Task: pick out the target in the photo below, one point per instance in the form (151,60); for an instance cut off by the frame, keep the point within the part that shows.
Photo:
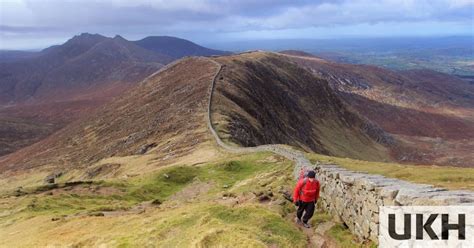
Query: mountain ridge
(264,99)
(429,113)
(176,47)
(123,126)
(46,90)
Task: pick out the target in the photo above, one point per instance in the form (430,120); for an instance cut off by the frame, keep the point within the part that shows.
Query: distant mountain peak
(86,60)
(118,37)
(87,36)
(176,47)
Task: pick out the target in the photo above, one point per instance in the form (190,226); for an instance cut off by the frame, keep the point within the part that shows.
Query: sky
(32,24)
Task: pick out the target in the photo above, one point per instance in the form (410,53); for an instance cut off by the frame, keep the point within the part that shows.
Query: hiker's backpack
(302,186)
(304,175)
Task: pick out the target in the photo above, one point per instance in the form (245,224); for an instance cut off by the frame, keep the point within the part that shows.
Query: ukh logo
(426,226)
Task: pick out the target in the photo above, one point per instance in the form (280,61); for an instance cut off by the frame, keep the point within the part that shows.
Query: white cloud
(192,17)
(461,3)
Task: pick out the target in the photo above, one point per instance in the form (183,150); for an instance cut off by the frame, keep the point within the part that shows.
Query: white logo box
(421,214)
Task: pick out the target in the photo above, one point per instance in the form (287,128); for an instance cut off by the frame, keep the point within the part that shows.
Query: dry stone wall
(355,197)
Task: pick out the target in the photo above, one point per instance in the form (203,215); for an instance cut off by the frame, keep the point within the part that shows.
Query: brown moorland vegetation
(262,98)
(429,113)
(165,114)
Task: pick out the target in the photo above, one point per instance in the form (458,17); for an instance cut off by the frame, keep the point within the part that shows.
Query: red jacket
(309,192)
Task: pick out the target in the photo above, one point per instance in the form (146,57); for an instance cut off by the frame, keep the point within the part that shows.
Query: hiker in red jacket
(305,197)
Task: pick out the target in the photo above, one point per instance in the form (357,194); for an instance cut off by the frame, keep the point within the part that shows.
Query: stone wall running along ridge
(355,197)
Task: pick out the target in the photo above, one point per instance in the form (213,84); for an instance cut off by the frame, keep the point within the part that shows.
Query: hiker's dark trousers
(307,208)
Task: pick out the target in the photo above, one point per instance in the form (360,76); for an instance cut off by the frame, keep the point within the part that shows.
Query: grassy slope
(225,214)
(201,221)
(442,176)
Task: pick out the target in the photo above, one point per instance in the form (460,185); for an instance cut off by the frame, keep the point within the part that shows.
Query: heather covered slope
(165,115)
(429,113)
(83,64)
(62,83)
(261,98)
(15,133)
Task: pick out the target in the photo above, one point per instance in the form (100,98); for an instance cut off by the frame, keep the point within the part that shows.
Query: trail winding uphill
(298,157)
